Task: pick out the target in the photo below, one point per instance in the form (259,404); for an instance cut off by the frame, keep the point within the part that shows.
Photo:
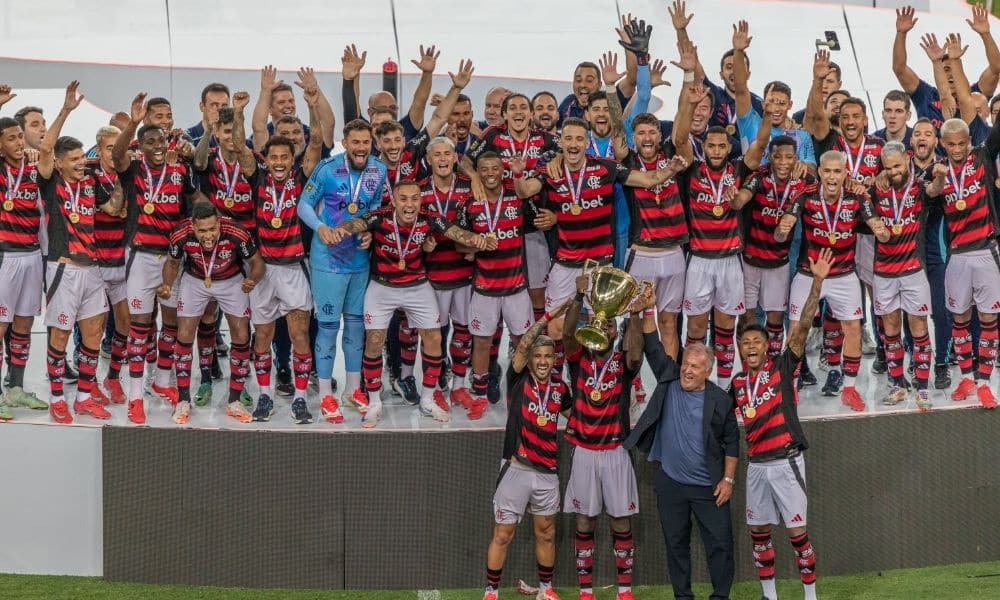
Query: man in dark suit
(689,429)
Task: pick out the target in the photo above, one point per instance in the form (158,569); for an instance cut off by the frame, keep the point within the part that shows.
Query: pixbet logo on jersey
(584,204)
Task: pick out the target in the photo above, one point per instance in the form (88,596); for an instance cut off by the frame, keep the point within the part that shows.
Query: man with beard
(723,98)
(342,187)
(215,253)
(586,82)
(895,115)
(277,101)
(545,113)
(831,216)
(764,395)
(528,478)
(602,478)
(459,125)
(961,184)
(158,195)
(900,282)
(863,160)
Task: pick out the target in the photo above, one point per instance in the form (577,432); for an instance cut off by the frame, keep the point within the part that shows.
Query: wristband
(546,316)
(641,58)
(649,312)
(729,480)
(688,76)
(518,175)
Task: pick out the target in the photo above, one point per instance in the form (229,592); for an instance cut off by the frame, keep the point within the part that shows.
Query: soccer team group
(438,233)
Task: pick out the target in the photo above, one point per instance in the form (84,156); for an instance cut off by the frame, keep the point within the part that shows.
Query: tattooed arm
(521,353)
(820,269)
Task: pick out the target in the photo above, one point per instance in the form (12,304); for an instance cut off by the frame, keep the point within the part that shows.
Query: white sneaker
(431,409)
(372,415)
(182,412)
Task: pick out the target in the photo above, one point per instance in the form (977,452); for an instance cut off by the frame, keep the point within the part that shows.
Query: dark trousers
(676,503)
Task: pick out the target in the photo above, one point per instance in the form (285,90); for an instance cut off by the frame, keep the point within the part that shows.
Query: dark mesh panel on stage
(413,510)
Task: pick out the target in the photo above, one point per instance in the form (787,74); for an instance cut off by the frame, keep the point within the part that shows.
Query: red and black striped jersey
(224,261)
(767,405)
(70,236)
(21,208)
(714,224)
(499,272)
(969,215)
(588,232)
(904,213)
(397,254)
(109,230)
(532,417)
(828,225)
(658,219)
(863,160)
(768,202)
(600,424)
(278,229)
(411,165)
(157,201)
(446,267)
(229,189)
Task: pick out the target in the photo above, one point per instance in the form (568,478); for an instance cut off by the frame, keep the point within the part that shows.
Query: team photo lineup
(541,254)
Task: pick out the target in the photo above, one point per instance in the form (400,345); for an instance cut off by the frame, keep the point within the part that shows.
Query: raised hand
(980,22)
(307,78)
(138,110)
(741,35)
(930,45)
(697,93)
(905,19)
(678,17)
(240,100)
(656,72)
(820,267)
(953,46)
(428,59)
(821,64)
(72,100)
(608,62)
(6,95)
(688,60)
(638,35)
(269,78)
(464,75)
(352,63)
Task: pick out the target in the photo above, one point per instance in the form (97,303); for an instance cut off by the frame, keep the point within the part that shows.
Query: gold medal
(749,411)
(897,229)
(208,282)
(832,238)
(74,217)
(401,264)
(276,222)
(717,210)
(576,209)
(8,205)
(731,129)
(229,202)
(148,209)
(352,207)
(542,420)
(595,395)
(960,205)
(996,182)
(491,236)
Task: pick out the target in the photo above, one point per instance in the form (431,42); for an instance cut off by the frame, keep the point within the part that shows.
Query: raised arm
(820,269)
(634,36)
(940,173)
(46,153)
(659,361)
(937,55)
(980,23)
(815,120)
(905,20)
(439,118)
(314,150)
(679,18)
(351,65)
(199,160)
(741,76)
(633,341)
(755,151)
(426,64)
(570,345)
(608,65)
(692,92)
(248,163)
(960,83)
(119,154)
(326,121)
(522,352)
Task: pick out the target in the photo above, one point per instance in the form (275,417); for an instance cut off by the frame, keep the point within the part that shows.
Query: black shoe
(493,385)
(216,368)
(284,386)
(879,366)
(952,357)
(408,386)
(444,379)
(834,381)
(300,413)
(265,408)
(942,377)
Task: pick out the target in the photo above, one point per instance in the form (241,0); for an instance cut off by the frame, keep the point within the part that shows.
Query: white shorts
(417,301)
(114,280)
(777,486)
(665,269)
(21,275)
(561,285)
(453,304)
(536,258)
(193,296)
(973,277)
(485,313)
(864,258)
(602,480)
(911,292)
(842,295)
(283,289)
(74,294)
(144,273)
(521,487)
(714,283)
(766,287)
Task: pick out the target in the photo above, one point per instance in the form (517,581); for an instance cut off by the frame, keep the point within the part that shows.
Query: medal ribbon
(956,182)
(524,153)
(11,192)
(784,195)
(493,219)
(278,201)
(74,199)
(752,393)
(548,390)
(355,187)
(447,201)
(402,250)
(898,205)
(855,166)
(227,181)
(211,263)
(578,190)
(608,152)
(153,193)
(831,224)
(599,377)
(717,192)
(696,148)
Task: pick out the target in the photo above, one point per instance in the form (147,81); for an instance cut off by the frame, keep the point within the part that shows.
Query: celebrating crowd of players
(439,235)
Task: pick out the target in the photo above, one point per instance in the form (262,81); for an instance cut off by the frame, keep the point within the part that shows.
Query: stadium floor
(954,582)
